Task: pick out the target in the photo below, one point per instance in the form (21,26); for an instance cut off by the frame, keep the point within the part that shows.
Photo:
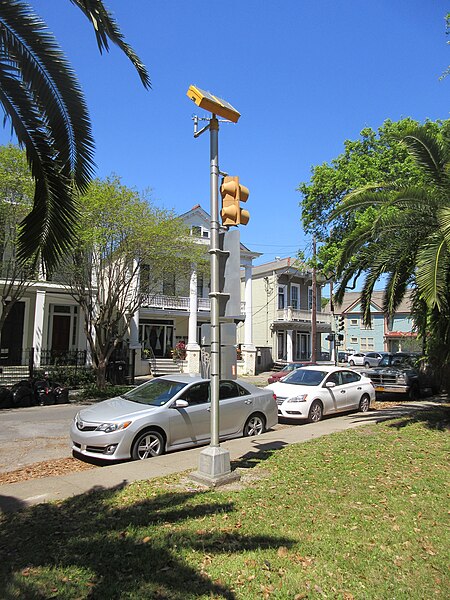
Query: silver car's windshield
(304,377)
(156,392)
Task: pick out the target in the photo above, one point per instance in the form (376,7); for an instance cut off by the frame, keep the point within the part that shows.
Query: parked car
(371,359)
(317,390)
(365,359)
(399,373)
(343,356)
(169,413)
(356,359)
(287,368)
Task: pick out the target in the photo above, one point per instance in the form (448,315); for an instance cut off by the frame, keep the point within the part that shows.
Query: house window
(198,231)
(295,296)
(281,296)
(169,284)
(199,286)
(367,343)
(310,298)
(354,322)
(354,340)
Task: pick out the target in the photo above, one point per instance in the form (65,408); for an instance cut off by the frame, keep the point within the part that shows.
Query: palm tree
(43,100)
(404,235)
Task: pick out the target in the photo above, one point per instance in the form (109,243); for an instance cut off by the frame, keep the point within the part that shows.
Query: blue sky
(304,74)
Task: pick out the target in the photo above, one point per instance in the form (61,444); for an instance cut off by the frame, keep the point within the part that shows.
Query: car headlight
(301,398)
(110,427)
(401,378)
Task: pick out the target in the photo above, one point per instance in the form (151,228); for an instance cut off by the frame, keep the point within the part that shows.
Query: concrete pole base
(214,468)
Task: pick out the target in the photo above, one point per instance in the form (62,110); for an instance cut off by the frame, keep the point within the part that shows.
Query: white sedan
(317,390)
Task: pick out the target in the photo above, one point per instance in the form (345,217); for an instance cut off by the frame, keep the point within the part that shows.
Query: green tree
(403,233)
(127,246)
(43,100)
(16,193)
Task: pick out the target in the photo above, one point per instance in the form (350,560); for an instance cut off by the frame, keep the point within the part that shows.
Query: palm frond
(433,261)
(106,27)
(428,152)
(48,229)
(360,200)
(443,218)
(37,61)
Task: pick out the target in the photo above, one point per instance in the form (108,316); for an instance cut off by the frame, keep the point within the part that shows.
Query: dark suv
(399,373)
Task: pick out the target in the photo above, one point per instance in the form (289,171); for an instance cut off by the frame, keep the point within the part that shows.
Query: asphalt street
(35,434)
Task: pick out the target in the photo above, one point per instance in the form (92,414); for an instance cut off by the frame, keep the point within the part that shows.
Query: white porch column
(248,348)
(248,324)
(38,332)
(289,345)
(192,347)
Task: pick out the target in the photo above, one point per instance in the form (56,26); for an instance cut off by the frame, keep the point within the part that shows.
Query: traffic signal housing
(233,193)
(341,324)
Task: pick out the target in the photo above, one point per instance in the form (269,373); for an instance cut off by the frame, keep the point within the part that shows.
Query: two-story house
(182,305)
(282,312)
(383,334)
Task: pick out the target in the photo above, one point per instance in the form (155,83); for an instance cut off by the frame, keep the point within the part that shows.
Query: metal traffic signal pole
(214,295)
(214,462)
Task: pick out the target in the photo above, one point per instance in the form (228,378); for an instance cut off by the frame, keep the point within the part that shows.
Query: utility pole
(314,306)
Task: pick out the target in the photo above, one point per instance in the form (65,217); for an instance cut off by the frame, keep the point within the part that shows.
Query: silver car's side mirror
(330,384)
(180,403)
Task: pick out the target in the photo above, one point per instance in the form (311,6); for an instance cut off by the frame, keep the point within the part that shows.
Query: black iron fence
(28,363)
(68,367)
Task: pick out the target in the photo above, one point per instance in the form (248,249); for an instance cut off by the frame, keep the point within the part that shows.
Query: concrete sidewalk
(16,496)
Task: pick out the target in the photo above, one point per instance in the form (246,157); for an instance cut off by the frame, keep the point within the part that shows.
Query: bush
(90,392)
(67,376)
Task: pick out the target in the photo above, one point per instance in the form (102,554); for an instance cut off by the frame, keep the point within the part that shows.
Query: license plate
(379,388)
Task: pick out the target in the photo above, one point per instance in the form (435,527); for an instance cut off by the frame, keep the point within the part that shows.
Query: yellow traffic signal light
(232,195)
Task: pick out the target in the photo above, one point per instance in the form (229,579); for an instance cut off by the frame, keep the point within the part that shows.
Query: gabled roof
(352,299)
(283,265)
(196,212)
(197,215)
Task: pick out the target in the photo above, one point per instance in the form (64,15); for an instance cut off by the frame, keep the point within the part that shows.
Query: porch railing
(291,314)
(163,302)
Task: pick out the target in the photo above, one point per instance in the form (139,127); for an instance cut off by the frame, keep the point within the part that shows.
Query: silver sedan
(168,413)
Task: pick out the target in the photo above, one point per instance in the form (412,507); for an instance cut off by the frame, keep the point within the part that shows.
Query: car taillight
(274,396)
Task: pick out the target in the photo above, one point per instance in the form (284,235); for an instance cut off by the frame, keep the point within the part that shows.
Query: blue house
(391,335)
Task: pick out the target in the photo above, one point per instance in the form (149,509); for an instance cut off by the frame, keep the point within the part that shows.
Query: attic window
(196,231)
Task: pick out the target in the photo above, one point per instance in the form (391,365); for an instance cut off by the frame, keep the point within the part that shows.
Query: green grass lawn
(356,515)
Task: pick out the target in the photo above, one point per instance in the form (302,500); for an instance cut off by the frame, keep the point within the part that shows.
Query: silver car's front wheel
(255,425)
(148,444)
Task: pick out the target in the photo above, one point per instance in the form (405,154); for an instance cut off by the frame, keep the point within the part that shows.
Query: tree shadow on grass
(97,546)
(433,417)
(263,451)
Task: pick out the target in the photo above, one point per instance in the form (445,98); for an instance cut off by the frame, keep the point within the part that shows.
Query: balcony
(296,318)
(161,302)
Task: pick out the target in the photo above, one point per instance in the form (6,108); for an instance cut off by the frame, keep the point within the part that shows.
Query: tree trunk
(101,373)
